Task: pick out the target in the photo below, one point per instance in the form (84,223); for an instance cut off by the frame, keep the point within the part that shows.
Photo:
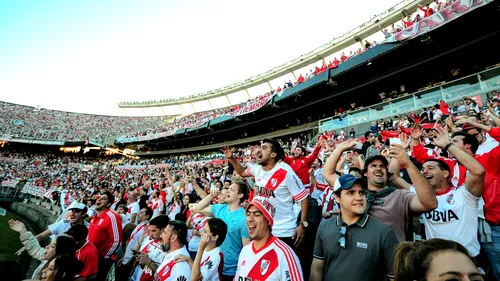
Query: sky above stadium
(86,56)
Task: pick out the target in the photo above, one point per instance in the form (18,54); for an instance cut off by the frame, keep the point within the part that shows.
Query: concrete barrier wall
(40,217)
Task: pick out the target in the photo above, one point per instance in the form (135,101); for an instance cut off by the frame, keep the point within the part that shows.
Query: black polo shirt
(368,252)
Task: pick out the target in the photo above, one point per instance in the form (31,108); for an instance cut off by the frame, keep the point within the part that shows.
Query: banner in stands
(9,183)
(12,160)
(253,106)
(453,11)
(193,163)
(34,190)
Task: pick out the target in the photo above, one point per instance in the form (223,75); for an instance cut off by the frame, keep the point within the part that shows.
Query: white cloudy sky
(86,56)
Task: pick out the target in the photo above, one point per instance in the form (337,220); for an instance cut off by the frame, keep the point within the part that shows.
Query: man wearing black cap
(385,203)
(353,240)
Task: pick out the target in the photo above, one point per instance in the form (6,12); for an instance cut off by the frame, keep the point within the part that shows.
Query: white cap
(79,206)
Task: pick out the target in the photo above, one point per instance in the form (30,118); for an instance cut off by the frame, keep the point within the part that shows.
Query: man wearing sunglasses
(353,245)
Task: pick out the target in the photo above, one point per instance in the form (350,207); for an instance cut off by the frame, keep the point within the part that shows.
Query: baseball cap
(265,206)
(377,157)
(79,206)
(347,181)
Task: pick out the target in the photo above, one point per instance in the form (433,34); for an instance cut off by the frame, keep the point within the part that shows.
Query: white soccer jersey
(133,209)
(134,239)
(62,226)
(212,263)
(275,261)
(171,271)
(455,218)
(173,210)
(327,201)
(157,207)
(155,253)
(283,187)
(321,184)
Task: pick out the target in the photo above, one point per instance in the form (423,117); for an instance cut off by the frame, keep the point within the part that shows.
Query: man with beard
(150,250)
(105,232)
(266,257)
(174,243)
(353,245)
(318,183)
(387,204)
(276,180)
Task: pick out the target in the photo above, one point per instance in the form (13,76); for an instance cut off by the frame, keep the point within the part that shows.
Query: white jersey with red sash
(275,261)
(134,238)
(282,186)
(169,270)
(154,251)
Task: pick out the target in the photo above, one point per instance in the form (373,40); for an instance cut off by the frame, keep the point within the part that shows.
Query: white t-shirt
(455,218)
(133,209)
(171,271)
(275,261)
(282,186)
(61,227)
(155,253)
(211,265)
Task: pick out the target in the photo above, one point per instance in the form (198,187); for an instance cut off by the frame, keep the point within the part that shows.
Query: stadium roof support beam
(360,41)
(270,86)
(228,100)
(248,94)
(294,76)
(210,103)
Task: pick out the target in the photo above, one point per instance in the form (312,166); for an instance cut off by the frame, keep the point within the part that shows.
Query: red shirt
(302,164)
(105,232)
(444,108)
(89,256)
(301,79)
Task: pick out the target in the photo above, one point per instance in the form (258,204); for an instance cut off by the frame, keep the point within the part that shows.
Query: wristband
(446,147)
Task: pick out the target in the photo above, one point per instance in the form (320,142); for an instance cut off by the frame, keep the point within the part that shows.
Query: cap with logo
(265,206)
(347,181)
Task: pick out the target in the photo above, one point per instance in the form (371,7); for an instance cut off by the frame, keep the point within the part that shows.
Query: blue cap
(347,181)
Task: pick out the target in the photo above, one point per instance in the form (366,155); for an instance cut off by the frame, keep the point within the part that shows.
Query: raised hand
(17,226)
(441,137)
(416,132)
(228,152)
(398,152)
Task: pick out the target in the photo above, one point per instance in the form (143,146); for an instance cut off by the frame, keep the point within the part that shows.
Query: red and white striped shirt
(275,261)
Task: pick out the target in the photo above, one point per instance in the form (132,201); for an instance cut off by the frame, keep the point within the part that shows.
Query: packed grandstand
(406,127)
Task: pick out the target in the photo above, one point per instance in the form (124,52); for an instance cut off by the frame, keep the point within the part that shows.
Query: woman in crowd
(61,245)
(434,260)
(62,268)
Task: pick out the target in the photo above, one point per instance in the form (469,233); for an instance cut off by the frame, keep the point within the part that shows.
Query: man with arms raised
(277,181)
(266,257)
(389,205)
(352,245)
(456,216)
(105,232)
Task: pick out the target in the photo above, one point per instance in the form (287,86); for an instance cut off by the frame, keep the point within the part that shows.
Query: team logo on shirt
(100,221)
(264,266)
(450,199)
(274,182)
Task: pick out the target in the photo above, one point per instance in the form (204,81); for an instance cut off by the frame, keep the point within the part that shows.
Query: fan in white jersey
(456,216)
(209,260)
(133,206)
(156,203)
(150,250)
(276,180)
(174,244)
(266,257)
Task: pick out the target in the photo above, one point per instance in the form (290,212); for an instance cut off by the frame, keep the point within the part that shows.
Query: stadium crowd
(282,210)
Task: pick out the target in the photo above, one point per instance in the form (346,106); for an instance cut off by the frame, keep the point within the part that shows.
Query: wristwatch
(304,223)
